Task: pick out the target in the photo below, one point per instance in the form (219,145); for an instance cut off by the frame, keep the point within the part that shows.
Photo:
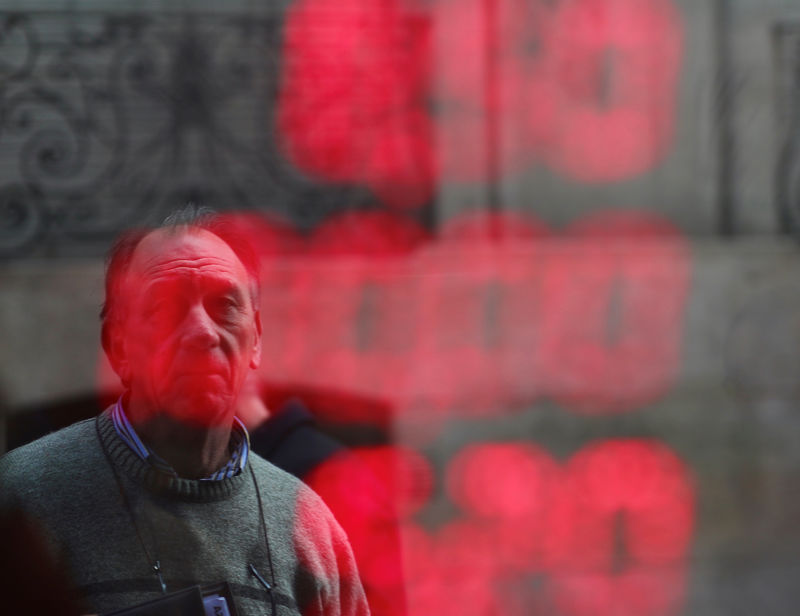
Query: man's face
(189,332)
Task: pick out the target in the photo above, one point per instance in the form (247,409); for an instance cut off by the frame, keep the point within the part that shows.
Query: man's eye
(161,311)
(155,308)
(223,306)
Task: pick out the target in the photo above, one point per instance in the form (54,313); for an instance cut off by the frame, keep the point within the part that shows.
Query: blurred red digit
(610,73)
(614,293)
(478,312)
(360,301)
(506,488)
(619,531)
(344,108)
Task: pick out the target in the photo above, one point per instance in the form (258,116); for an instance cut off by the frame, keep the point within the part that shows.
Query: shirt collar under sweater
(239,446)
(132,467)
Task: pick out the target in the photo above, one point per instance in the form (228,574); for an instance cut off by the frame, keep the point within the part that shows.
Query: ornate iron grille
(109,121)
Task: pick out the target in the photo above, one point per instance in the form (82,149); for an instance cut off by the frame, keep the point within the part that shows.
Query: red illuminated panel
(518,80)
(359,302)
(609,533)
(615,297)
(363,488)
(338,75)
(501,480)
(405,471)
(268,237)
(392,95)
(311,526)
(619,531)
(344,111)
(492,315)
(508,488)
(512,303)
(283,329)
(488,93)
(367,489)
(478,310)
(458,93)
(612,67)
(452,571)
(368,234)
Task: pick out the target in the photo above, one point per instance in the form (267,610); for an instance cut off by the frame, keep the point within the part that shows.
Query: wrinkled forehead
(185,253)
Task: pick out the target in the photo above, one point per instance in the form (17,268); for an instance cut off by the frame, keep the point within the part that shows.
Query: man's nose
(199,329)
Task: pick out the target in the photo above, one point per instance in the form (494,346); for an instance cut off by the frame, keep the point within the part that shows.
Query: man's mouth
(199,374)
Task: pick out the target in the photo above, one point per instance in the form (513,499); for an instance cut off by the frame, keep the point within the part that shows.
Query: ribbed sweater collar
(127,463)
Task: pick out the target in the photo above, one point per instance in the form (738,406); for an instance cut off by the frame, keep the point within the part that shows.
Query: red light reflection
(608,533)
(339,575)
(364,490)
(345,86)
(399,96)
(509,486)
(614,303)
(620,530)
(486,319)
(358,300)
(479,309)
(612,68)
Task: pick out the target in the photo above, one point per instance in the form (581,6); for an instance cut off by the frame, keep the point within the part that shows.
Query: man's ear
(114,347)
(255,358)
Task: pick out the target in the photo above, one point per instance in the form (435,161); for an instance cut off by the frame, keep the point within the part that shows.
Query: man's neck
(193,451)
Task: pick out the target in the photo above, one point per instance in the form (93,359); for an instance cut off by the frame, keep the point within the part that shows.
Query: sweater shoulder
(47,459)
(63,440)
(291,491)
(276,481)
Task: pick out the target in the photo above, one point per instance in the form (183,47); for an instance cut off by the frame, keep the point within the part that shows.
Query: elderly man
(160,492)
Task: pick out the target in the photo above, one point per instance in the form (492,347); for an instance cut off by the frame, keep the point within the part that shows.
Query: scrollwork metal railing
(109,120)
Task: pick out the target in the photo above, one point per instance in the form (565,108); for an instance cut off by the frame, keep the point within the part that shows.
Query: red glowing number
(472,293)
(494,314)
(611,70)
(620,531)
(360,301)
(609,532)
(614,317)
(366,489)
(481,51)
(395,96)
(520,80)
(344,87)
(509,486)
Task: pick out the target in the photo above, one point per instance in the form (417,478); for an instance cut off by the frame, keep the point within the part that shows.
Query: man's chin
(201,409)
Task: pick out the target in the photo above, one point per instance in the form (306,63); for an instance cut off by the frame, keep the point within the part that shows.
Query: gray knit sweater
(75,483)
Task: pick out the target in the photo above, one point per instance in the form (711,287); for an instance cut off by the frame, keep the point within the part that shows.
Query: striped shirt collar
(239,446)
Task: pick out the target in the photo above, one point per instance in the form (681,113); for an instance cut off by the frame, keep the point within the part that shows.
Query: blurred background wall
(539,254)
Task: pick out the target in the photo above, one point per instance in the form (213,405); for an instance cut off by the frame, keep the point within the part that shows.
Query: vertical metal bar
(786,53)
(726,143)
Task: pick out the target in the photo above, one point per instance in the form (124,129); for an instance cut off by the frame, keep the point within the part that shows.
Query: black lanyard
(156,564)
